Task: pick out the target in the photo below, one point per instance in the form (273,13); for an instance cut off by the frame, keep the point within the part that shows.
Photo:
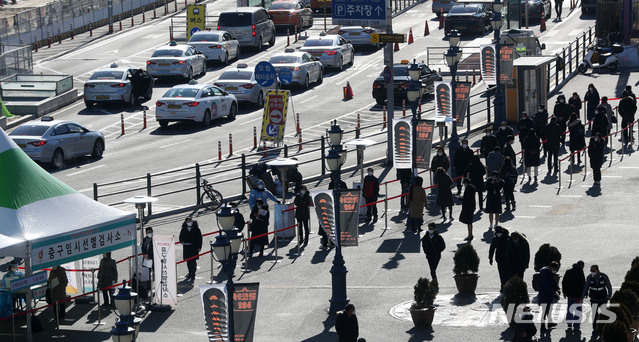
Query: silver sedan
(332,50)
(241,82)
(359,36)
(304,67)
(176,60)
(218,46)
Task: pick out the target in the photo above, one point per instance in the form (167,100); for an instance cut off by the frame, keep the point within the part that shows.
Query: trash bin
(284,219)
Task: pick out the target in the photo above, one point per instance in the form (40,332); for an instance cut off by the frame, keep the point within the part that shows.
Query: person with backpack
(371,191)
(468,207)
(510,175)
(433,245)
(444,194)
(577,136)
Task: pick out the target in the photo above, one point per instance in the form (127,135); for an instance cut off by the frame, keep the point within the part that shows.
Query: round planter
(423,318)
(467,283)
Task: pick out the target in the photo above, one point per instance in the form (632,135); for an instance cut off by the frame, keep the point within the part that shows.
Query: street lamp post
(127,326)
(413,92)
(452,57)
(335,159)
(499,102)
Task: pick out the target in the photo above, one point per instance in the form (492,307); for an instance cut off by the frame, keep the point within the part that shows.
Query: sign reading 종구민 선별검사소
(359,12)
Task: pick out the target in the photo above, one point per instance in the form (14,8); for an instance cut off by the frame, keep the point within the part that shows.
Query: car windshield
(463,10)
(167,53)
(284,59)
(107,75)
(182,92)
(235,19)
(236,75)
(282,5)
(399,70)
(205,37)
(318,42)
(36,130)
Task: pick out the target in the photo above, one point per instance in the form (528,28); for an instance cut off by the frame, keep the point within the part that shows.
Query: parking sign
(359,12)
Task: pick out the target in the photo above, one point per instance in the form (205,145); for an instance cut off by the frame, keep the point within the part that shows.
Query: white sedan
(359,36)
(118,84)
(195,102)
(305,68)
(176,60)
(218,46)
(332,50)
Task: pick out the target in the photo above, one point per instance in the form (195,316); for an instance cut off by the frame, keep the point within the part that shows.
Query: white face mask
(370,173)
(439,154)
(561,101)
(464,145)
(540,110)
(261,187)
(554,271)
(487,134)
(189,223)
(499,234)
(593,273)
(596,139)
(431,232)
(503,128)
(303,192)
(149,235)
(591,89)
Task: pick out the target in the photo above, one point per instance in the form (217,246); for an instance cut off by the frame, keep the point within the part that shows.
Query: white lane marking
(83,170)
(176,143)
(575,32)
(572,196)
(308,99)
(525,217)
(604,176)
(540,206)
(551,33)
(629,167)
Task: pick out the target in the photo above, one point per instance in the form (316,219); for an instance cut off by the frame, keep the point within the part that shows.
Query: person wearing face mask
(553,141)
(260,192)
(370,193)
(525,124)
(499,250)
(107,276)
(13,272)
(548,290)
(462,159)
(494,161)
(518,255)
(475,172)
(600,123)
(610,114)
(439,160)
(433,245)
(191,240)
(493,199)
(508,151)
(596,155)
(57,284)
(592,99)
(259,226)
(541,120)
(147,254)
(572,285)
(577,137)
(575,103)
(503,133)
(562,113)
(302,203)
(510,175)
(444,194)
(599,289)
(627,109)
(417,201)
(488,143)
(238,219)
(346,325)
(468,207)
(531,154)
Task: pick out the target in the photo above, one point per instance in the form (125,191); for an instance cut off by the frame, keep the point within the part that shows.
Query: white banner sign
(403,143)
(324,208)
(87,279)
(28,281)
(165,270)
(488,64)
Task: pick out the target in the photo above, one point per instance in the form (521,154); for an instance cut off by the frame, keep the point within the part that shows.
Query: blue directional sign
(265,74)
(388,75)
(286,76)
(359,12)
(193,30)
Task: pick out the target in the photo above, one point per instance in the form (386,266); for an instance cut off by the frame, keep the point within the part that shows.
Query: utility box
(609,20)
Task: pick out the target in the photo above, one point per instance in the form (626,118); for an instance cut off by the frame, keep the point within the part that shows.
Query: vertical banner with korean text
(216,311)
(324,208)
(274,118)
(165,270)
(443,100)
(488,64)
(506,58)
(87,278)
(244,310)
(402,147)
(423,143)
(462,96)
(349,216)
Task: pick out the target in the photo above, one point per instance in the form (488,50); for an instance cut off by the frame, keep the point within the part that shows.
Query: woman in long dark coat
(562,112)
(302,213)
(476,171)
(444,194)
(531,154)
(592,98)
(493,198)
(468,207)
(577,136)
(259,225)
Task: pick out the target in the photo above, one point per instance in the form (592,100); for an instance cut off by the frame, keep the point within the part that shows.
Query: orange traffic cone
(410,36)
(396,47)
(348,92)
(426,30)
(441,18)
(542,27)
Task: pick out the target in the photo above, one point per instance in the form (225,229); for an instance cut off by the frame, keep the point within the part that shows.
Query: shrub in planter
(633,274)
(630,285)
(422,310)
(634,261)
(615,332)
(466,265)
(515,293)
(545,255)
(628,299)
(623,316)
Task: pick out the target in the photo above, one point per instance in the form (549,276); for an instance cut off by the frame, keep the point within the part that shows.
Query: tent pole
(27,270)
(137,273)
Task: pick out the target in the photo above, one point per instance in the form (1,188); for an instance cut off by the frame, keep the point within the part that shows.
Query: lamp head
(335,134)
(454,38)
(221,248)
(414,71)
(412,92)
(333,159)
(496,21)
(225,218)
(498,6)
(451,57)
(124,300)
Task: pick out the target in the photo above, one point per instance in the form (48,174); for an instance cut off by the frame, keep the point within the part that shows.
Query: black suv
(401,80)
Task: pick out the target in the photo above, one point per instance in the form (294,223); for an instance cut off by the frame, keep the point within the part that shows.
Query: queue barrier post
(623,143)
(559,175)
(99,322)
(386,206)
(572,164)
(13,325)
(609,138)
(93,283)
(275,238)
(212,270)
(586,161)
(299,226)
(245,263)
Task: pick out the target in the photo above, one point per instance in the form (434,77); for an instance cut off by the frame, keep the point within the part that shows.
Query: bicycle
(215,198)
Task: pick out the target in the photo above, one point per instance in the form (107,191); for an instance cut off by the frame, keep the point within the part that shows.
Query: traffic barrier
(297,123)
(542,27)
(186,3)
(299,140)
(265,154)
(219,150)
(288,38)
(419,106)
(170,33)
(296,29)
(59,36)
(144,117)
(230,143)
(403,107)
(71,30)
(120,22)
(384,118)
(143,17)
(474,79)
(441,18)
(466,75)
(35,43)
(91,29)
(154,14)
(175,2)
(254,137)
(48,40)
(348,92)
(122,122)
(426,30)
(132,21)
(166,9)
(410,36)
(358,126)
(396,47)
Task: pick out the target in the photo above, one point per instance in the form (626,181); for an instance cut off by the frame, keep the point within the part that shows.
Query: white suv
(251,26)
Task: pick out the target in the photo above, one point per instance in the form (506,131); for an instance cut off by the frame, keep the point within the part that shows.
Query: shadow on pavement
(594,191)
(420,334)
(404,245)
(326,334)
(320,256)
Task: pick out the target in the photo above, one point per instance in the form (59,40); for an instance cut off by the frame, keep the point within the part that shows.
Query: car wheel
(88,104)
(272,41)
(233,111)
(612,67)
(163,123)
(260,46)
(190,75)
(98,149)
(340,66)
(206,120)
(203,73)
(260,99)
(58,159)
(380,101)
(307,82)
(320,78)
(132,100)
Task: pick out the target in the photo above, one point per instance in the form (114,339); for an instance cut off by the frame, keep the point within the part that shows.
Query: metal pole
(453,143)
(322,157)
(27,271)
(500,114)
(275,238)
(386,206)
(338,271)
(390,99)
(93,283)
(198,179)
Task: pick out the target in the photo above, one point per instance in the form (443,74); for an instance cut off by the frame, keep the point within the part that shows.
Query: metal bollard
(586,162)
(384,118)
(175,5)
(219,150)
(254,137)
(71,31)
(572,164)
(132,21)
(386,206)
(300,141)
(403,108)
(246,244)
(230,143)
(275,239)
(59,36)
(358,126)
(560,175)
(120,22)
(93,282)
(143,17)
(144,117)
(122,122)
(212,270)
(90,29)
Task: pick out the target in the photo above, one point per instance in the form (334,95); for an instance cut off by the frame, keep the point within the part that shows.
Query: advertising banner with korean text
(324,208)
(195,19)
(215,306)
(488,64)
(402,144)
(244,310)
(443,100)
(274,118)
(92,241)
(506,58)
(349,217)
(165,270)
(423,143)
(462,97)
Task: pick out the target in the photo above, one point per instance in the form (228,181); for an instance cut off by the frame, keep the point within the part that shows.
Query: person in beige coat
(58,286)
(417,201)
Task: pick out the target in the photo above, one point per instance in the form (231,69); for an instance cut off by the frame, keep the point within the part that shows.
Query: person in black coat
(509,175)
(439,160)
(346,324)
(499,250)
(549,289)
(531,154)
(562,113)
(475,172)
(444,194)
(575,103)
(600,123)
(147,251)
(462,159)
(468,207)
(488,143)
(433,246)
(493,199)
(525,124)
(303,214)
(541,120)
(259,225)
(592,99)
(191,240)
(238,219)
(404,175)
(577,136)
(518,255)
(508,151)
(370,193)
(627,109)
(503,133)
(525,328)
(553,140)
(596,153)
(572,286)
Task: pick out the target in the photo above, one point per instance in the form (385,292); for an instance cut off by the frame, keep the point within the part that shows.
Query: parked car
(176,60)
(240,82)
(252,26)
(118,84)
(535,9)
(195,102)
(359,35)
(332,50)
(468,19)
(218,46)
(55,141)
(291,13)
(401,81)
(306,69)
(442,6)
